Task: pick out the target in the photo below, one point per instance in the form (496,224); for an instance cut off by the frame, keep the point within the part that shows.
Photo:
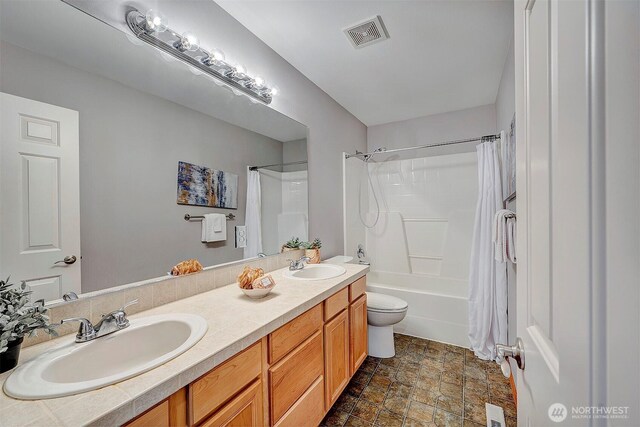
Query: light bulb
(258,81)
(214,57)
(155,21)
(240,70)
(273,91)
(218,55)
(188,41)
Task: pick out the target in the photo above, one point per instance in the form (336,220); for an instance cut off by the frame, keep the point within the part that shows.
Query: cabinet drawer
(243,411)
(289,378)
(308,410)
(336,303)
(289,336)
(215,388)
(158,416)
(357,288)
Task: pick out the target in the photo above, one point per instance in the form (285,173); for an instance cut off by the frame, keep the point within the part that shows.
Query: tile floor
(427,383)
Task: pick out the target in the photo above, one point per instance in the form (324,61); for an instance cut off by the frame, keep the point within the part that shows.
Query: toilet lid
(382,302)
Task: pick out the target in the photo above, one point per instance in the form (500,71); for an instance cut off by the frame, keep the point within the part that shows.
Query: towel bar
(187,217)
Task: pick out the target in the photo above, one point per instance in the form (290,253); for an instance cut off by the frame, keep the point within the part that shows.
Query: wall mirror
(107,143)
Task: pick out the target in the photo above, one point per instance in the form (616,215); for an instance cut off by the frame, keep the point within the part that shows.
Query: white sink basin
(78,367)
(316,272)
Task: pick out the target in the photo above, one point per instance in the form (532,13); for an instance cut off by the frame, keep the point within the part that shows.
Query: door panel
(40,205)
(554,213)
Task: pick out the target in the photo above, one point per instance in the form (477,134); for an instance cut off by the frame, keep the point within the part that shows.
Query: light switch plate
(241,236)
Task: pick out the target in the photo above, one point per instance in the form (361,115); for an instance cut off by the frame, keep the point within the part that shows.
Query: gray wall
(332,129)
(294,151)
(468,123)
(130,144)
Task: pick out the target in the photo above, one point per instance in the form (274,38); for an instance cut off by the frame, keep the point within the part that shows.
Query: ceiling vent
(367,33)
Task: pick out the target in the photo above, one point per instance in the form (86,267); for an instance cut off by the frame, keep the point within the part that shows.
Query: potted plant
(312,250)
(18,319)
(291,245)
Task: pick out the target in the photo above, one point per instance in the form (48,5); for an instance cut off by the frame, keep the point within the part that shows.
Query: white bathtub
(437,306)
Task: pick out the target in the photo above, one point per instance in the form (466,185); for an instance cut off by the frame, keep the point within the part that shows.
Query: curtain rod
(417,147)
(301,162)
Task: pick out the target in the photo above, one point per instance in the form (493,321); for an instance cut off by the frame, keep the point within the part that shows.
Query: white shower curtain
(253,218)
(487,277)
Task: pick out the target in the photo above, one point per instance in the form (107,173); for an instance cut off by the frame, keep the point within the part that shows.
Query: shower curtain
(253,218)
(487,277)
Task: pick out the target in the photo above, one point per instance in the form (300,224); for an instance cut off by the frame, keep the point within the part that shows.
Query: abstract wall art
(202,186)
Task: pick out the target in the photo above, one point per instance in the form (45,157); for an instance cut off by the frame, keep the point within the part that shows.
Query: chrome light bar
(151,28)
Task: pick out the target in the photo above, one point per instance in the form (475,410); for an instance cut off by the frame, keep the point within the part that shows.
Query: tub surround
(235,322)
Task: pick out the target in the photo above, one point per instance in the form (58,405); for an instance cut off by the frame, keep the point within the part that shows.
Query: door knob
(516,352)
(67,260)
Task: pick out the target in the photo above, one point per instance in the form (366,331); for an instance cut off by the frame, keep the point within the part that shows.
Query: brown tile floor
(427,383)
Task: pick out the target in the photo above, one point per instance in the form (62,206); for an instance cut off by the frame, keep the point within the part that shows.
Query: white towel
(214,228)
(503,237)
(511,239)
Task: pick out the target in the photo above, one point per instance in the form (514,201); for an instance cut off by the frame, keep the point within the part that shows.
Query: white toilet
(383,311)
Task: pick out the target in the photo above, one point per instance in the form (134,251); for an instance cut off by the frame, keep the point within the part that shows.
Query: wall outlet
(241,236)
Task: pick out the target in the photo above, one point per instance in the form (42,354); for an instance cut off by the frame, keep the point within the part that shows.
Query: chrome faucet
(111,322)
(298,264)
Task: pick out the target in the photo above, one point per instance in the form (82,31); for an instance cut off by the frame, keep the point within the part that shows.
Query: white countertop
(235,322)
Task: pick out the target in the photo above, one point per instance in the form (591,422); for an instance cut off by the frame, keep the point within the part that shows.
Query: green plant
(294,243)
(316,244)
(18,318)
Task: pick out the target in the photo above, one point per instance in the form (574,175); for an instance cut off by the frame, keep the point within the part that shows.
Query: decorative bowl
(257,293)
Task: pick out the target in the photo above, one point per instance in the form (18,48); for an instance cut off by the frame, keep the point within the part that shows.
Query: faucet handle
(86,331)
(132,302)
(120,316)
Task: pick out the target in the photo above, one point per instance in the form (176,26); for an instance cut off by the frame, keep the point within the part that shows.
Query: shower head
(367,157)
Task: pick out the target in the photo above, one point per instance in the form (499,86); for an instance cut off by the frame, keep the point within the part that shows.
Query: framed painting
(202,186)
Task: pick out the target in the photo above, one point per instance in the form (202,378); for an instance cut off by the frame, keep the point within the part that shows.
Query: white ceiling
(442,55)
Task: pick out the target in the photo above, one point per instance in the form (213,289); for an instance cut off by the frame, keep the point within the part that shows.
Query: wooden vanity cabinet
(290,378)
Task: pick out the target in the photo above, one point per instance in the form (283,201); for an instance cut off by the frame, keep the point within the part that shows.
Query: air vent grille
(366,33)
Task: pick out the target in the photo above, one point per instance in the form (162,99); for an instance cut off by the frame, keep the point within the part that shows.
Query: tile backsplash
(152,293)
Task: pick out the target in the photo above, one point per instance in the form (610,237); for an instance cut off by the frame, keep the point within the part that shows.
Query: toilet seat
(382,303)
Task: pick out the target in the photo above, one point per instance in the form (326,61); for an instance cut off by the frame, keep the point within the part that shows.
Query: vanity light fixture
(152,28)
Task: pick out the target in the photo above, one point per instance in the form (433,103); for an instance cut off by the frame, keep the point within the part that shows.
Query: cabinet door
(357,333)
(336,357)
(243,411)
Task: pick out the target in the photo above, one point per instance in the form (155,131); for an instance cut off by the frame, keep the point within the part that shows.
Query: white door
(560,205)
(39,196)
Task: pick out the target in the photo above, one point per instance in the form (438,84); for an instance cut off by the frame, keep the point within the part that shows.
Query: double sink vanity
(216,358)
